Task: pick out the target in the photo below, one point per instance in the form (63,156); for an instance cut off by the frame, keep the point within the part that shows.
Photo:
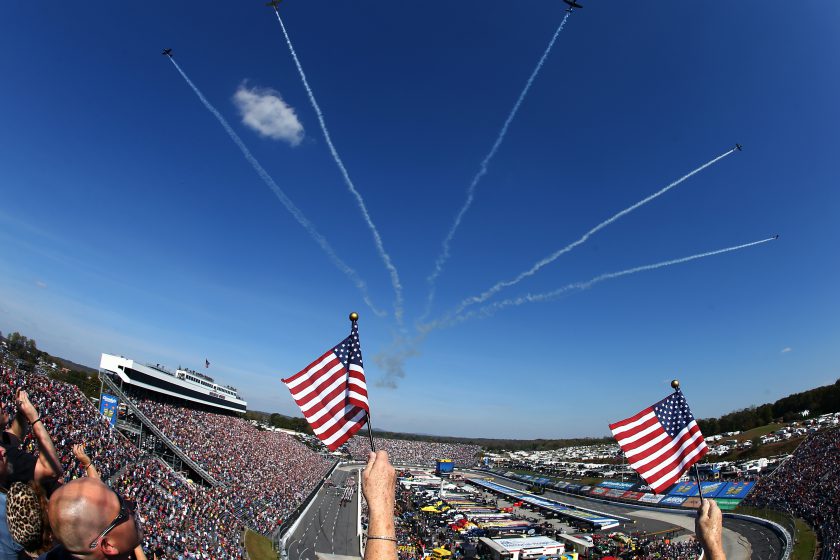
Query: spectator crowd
(807,485)
(264,475)
(409,452)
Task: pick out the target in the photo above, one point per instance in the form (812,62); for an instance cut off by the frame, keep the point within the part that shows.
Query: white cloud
(265,111)
(41,284)
(787,349)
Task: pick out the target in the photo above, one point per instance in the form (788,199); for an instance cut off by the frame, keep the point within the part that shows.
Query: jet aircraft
(274,3)
(167,52)
(572,4)
(738,147)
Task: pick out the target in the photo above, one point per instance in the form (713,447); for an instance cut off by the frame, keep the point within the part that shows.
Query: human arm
(85,461)
(139,554)
(48,465)
(709,529)
(379,486)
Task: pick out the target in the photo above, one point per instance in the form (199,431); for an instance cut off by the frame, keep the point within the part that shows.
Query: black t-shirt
(21,463)
(57,553)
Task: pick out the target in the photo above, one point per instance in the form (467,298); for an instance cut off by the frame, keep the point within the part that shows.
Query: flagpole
(370,435)
(675,384)
(354,317)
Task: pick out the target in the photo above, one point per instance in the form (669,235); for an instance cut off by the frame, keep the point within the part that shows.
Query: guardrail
(783,533)
(359,532)
(154,429)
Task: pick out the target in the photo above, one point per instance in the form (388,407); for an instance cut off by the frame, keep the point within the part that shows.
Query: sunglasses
(127,509)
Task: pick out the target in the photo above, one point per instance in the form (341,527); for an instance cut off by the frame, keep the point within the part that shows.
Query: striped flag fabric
(332,392)
(662,441)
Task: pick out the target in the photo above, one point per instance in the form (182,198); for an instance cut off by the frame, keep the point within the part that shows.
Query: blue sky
(132,224)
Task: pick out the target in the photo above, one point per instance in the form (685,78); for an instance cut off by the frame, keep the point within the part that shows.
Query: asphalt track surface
(328,527)
(764,543)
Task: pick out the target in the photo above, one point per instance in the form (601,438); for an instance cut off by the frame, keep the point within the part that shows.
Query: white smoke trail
(444,256)
(386,258)
(491,309)
(287,202)
(551,258)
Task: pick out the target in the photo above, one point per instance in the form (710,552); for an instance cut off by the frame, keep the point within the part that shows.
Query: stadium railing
(104,378)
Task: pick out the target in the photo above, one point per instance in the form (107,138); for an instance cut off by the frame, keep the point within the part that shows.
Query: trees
(22,346)
(821,400)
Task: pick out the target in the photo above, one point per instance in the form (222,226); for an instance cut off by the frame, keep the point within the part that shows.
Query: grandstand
(409,452)
(807,485)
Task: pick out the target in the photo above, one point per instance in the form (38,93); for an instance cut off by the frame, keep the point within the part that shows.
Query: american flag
(332,393)
(662,441)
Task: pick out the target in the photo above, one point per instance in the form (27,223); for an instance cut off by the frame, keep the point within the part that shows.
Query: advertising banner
(617,485)
(672,500)
(630,495)
(737,490)
(445,467)
(651,498)
(692,503)
(710,489)
(727,504)
(108,405)
(614,493)
(684,489)
(598,491)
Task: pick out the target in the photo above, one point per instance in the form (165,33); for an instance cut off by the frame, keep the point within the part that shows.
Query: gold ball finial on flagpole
(354,317)
(675,384)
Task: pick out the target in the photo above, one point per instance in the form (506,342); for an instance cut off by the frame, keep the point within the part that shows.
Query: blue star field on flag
(673,413)
(349,351)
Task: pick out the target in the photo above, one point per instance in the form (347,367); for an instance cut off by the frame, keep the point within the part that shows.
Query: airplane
(738,147)
(777,236)
(167,52)
(572,4)
(274,3)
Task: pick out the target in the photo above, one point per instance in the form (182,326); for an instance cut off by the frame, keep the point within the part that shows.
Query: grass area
(259,547)
(806,542)
(806,539)
(771,449)
(757,432)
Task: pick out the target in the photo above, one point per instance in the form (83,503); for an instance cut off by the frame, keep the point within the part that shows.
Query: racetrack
(328,528)
(742,540)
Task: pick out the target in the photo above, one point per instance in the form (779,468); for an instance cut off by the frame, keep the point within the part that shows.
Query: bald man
(91,521)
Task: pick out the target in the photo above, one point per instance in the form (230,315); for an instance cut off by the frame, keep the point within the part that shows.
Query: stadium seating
(807,485)
(415,452)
